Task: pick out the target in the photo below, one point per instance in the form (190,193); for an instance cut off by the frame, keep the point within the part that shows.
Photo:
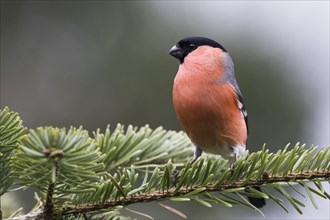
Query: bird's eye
(192,46)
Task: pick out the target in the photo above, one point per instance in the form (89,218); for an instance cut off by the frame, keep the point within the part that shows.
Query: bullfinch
(208,101)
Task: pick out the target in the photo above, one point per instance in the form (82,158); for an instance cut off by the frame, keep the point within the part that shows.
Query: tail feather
(257,202)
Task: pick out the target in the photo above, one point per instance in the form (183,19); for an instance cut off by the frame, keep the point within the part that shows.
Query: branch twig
(156,196)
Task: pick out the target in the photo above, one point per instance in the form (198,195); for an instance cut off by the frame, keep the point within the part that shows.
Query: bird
(208,101)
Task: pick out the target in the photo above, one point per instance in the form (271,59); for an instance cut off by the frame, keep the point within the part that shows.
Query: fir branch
(11,128)
(275,181)
(58,163)
(49,206)
(98,177)
(203,177)
(142,146)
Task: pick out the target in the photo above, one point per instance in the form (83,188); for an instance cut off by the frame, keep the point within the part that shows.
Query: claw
(232,167)
(197,153)
(175,177)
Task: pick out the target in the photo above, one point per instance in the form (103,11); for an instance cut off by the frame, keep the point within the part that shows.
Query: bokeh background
(92,63)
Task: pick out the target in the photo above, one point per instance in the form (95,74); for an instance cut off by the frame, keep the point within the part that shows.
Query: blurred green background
(92,63)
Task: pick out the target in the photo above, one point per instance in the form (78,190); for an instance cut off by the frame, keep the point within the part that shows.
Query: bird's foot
(175,177)
(232,167)
(197,153)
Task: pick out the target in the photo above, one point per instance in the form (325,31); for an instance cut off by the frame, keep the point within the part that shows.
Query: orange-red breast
(207,98)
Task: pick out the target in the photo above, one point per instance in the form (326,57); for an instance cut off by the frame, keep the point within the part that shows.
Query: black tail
(257,202)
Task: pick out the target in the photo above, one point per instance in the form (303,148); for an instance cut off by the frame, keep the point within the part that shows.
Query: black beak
(176,52)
